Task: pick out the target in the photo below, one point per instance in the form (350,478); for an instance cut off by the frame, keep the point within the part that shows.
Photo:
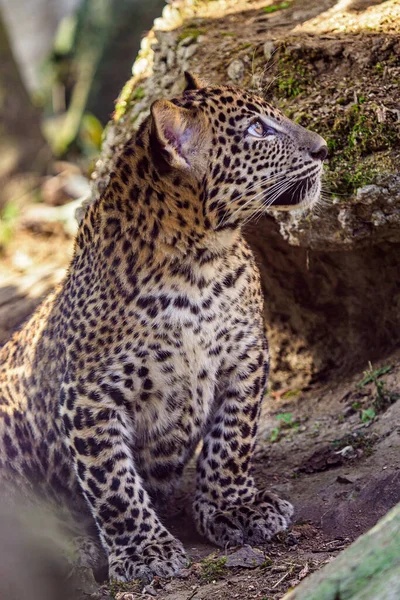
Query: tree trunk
(22,145)
(368,569)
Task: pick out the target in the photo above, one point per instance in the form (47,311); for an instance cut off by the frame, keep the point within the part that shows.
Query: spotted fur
(155,339)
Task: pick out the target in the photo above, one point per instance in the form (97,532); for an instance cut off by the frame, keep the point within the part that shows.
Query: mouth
(301,193)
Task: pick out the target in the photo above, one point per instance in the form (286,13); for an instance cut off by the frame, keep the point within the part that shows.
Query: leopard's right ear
(192,82)
(177,133)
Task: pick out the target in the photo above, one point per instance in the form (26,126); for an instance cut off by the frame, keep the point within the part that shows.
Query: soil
(332,447)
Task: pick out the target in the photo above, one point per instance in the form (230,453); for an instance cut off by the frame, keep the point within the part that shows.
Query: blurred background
(62,65)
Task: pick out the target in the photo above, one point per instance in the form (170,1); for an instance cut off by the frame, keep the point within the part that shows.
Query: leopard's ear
(177,133)
(192,82)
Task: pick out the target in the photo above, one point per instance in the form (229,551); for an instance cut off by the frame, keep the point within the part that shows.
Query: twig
(280,580)
(333,549)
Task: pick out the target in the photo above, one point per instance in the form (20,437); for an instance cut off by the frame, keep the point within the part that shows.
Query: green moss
(266,564)
(275,7)
(138,94)
(127,98)
(360,144)
(345,172)
(119,587)
(213,568)
(189,31)
(124,99)
(292,78)
(244,46)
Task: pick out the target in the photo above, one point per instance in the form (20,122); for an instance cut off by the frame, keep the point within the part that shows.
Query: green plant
(213,568)
(372,375)
(138,94)
(274,434)
(285,417)
(383,397)
(368,415)
(267,563)
(286,422)
(358,440)
(289,86)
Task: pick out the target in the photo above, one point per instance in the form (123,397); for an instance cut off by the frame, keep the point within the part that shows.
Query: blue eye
(259,130)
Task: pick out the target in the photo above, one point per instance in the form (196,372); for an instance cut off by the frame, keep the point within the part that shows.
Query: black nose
(319,152)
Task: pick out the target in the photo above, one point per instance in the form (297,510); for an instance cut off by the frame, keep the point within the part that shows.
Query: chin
(304,194)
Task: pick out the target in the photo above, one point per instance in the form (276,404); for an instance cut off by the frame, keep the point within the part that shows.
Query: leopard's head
(241,154)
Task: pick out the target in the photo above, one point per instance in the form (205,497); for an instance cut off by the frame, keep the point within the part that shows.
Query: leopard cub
(155,340)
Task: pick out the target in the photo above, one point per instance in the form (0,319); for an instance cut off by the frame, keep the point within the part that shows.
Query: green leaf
(373,375)
(368,415)
(285,417)
(274,435)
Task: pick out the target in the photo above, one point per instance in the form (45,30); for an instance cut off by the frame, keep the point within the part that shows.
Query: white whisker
(262,181)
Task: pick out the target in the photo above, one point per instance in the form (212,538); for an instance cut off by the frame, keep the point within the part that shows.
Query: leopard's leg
(228,509)
(136,542)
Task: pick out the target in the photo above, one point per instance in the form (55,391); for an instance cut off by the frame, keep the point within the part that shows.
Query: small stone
(236,70)
(140,66)
(190,39)
(269,49)
(246,557)
(170,58)
(190,51)
(343,479)
(291,539)
(149,589)
(347,452)
(345,218)
(378,218)
(368,194)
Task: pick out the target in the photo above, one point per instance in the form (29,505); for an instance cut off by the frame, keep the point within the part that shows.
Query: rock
(269,49)
(190,51)
(190,39)
(246,557)
(149,590)
(347,452)
(236,70)
(369,193)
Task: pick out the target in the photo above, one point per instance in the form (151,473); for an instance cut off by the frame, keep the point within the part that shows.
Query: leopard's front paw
(263,500)
(255,522)
(164,558)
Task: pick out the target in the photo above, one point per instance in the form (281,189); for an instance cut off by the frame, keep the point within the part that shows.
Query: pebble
(236,70)
(269,49)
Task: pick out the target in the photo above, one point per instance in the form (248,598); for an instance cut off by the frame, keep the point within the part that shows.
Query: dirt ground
(332,449)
